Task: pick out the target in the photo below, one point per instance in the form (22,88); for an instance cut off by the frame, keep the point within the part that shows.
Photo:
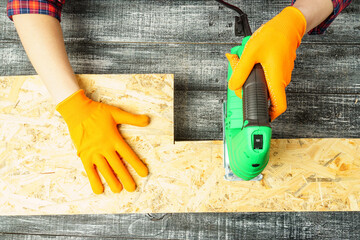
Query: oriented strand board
(41,174)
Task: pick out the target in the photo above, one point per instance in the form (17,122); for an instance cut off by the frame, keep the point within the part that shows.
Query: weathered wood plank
(293,225)
(84,20)
(318,69)
(177,21)
(198,116)
(317,106)
(26,236)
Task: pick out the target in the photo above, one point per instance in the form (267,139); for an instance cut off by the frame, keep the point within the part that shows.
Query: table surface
(189,39)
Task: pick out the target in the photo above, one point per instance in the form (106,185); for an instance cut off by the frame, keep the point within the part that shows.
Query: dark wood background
(222,226)
(189,38)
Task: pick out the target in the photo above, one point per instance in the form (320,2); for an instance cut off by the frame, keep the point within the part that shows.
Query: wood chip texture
(41,174)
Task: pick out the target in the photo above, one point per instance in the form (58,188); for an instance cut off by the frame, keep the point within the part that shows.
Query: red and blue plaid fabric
(47,7)
(339,5)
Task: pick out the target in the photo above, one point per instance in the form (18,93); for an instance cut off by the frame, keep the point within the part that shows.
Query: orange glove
(93,129)
(274,46)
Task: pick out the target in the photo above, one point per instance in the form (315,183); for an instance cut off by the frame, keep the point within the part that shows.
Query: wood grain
(96,45)
(282,225)
(307,116)
(166,21)
(318,68)
(143,21)
(41,174)
(322,95)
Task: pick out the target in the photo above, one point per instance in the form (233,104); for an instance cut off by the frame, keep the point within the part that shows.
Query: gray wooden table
(189,38)
(310,225)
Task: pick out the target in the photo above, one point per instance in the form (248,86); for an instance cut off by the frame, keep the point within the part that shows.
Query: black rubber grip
(255,98)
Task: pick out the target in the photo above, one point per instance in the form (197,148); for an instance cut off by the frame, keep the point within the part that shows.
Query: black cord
(228,5)
(242,26)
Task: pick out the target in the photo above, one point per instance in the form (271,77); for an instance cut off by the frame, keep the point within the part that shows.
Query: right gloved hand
(274,46)
(93,129)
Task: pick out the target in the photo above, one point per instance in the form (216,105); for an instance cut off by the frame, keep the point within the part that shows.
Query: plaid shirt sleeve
(47,7)
(339,5)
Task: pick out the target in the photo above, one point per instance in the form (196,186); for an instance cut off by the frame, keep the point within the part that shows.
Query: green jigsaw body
(246,161)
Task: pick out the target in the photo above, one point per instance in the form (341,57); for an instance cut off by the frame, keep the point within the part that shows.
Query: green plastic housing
(245,161)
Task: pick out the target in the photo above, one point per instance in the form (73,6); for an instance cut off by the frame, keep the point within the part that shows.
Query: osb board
(41,174)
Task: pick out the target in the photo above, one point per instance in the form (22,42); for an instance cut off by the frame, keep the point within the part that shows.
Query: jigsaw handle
(255,98)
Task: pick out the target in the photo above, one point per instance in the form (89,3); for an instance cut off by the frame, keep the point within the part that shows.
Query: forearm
(315,11)
(42,38)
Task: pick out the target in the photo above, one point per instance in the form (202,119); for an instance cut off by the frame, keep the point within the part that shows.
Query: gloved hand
(274,46)
(93,129)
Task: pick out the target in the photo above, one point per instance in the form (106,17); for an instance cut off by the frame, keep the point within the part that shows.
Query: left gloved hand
(93,129)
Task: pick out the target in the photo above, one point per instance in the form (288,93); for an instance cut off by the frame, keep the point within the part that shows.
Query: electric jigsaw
(246,122)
